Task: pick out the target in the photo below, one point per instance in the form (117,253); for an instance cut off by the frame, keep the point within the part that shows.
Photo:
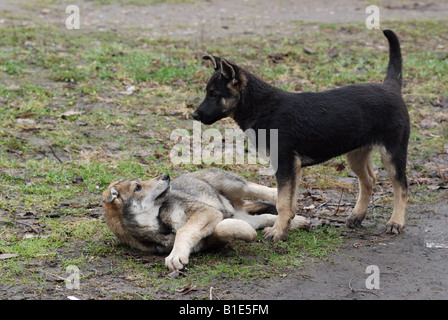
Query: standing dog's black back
(316,126)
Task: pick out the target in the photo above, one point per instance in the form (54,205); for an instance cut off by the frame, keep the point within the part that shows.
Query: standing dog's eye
(138,187)
(212,94)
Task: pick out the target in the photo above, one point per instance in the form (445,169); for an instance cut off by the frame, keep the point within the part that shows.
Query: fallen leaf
(308,50)
(4,256)
(186,289)
(428,123)
(27,214)
(176,274)
(77,180)
(277,57)
(52,215)
(180,83)
(70,113)
(130,90)
(423,180)
(333,53)
(26,121)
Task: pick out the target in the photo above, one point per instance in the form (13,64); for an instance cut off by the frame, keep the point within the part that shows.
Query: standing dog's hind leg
(396,168)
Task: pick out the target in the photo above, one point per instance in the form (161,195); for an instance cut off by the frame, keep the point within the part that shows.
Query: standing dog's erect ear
(212,59)
(227,70)
(109,195)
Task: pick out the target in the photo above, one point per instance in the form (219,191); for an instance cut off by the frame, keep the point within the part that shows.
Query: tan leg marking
(286,205)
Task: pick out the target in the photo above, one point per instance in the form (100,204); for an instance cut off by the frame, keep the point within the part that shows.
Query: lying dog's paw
(231,229)
(176,261)
(300,222)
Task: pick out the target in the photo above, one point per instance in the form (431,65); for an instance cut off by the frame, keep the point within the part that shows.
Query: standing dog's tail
(393,75)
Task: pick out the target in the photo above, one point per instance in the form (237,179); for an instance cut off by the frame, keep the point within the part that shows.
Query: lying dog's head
(124,200)
(123,193)
(223,91)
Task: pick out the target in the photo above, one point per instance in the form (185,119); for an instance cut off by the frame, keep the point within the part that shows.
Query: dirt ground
(408,268)
(411,265)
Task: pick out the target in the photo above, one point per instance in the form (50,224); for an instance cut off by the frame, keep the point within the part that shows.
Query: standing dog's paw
(176,261)
(394,227)
(354,220)
(274,234)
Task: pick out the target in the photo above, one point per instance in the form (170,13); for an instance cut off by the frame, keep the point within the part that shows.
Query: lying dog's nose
(195,115)
(166,176)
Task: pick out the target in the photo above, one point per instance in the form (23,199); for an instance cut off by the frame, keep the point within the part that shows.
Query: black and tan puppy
(316,126)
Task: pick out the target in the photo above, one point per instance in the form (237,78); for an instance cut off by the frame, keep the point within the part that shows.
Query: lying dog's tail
(393,75)
(259,207)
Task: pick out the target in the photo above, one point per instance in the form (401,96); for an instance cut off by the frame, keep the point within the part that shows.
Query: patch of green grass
(11,67)
(242,261)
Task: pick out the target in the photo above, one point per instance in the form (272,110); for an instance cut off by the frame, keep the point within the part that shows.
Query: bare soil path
(199,20)
(409,265)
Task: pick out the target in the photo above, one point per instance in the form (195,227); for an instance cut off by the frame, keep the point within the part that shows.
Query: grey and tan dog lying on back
(193,212)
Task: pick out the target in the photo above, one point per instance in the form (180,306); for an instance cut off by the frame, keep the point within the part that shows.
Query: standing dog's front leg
(287,175)
(200,225)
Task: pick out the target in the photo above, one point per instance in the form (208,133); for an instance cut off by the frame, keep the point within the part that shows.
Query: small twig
(349,285)
(187,289)
(339,203)
(176,274)
(59,278)
(365,291)
(211,293)
(445,176)
(375,239)
(442,174)
(54,154)
(308,277)
(321,205)
(24,223)
(376,199)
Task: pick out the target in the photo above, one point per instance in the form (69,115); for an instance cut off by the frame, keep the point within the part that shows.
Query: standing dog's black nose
(195,115)
(166,176)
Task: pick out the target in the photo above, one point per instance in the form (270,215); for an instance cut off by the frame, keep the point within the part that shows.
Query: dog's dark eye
(212,94)
(138,187)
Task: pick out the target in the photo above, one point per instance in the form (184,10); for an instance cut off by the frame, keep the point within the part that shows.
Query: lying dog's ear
(227,71)
(110,195)
(213,60)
